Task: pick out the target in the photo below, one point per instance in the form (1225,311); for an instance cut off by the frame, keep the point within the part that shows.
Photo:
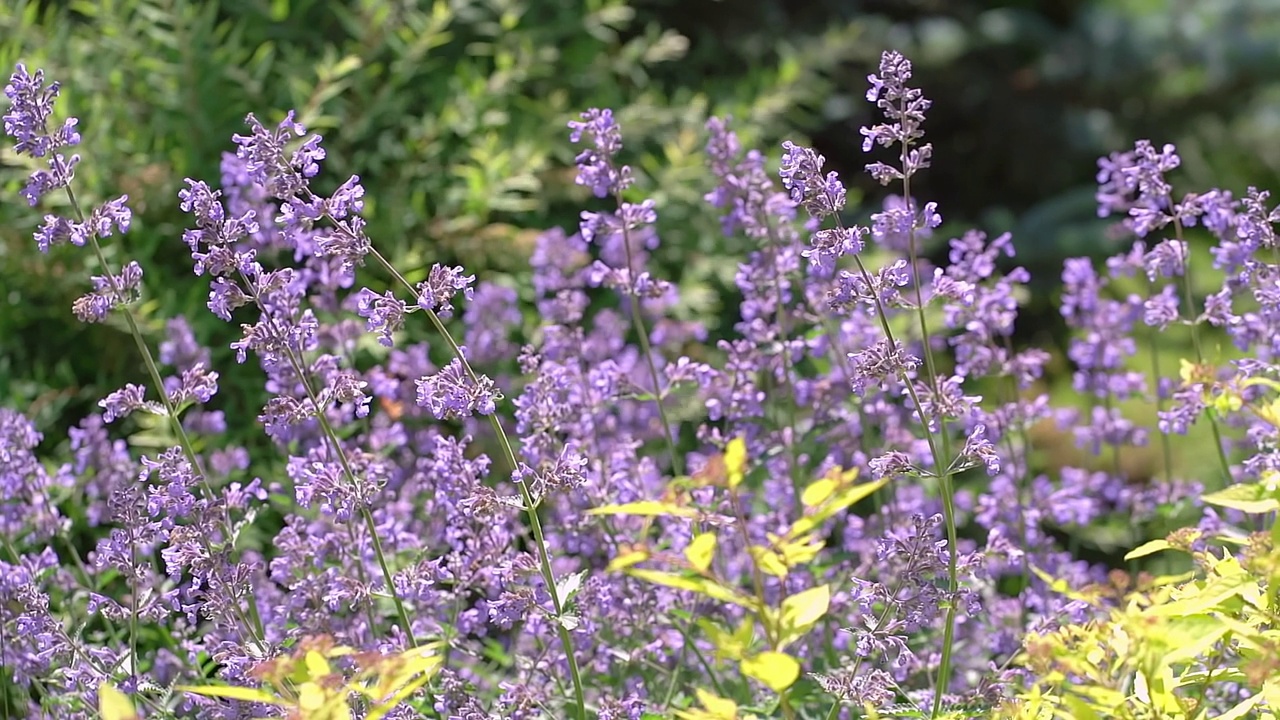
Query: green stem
(335,443)
(1166,447)
(1195,342)
(252,623)
(797,482)
(643,335)
(531,509)
(702,660)
(945,487)
(1023,471)
(944,477)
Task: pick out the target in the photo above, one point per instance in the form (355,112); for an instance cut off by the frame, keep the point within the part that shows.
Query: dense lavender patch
(591,510)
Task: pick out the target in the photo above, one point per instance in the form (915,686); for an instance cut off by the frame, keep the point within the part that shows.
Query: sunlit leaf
(1252,498)
(568,586)
(231,692)
(735,461)
(1148,548)
(627,559)
(701,551)
(317,665)
(801,611)
(115,705)
(778,671)
(311,697)
(699,585)
(818,492)
(769,561)
(649,508)
(728,645)
(716,708)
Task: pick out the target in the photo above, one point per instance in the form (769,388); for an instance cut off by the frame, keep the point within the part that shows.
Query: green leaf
(1241,709)
(568,586)
(702,586)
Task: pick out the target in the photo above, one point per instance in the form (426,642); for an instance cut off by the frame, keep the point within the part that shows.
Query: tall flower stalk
(28,123)
(824,197)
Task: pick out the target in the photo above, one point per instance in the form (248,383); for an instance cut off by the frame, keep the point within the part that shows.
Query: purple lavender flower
(905,108)
(268,162)
(442,283)
(27,122)
(109,293)
(384,313)
(596,165)
(802,176)
(31,108)
(452,393)
(880,362)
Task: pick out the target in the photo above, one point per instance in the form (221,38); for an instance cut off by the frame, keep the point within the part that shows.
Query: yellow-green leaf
(847,494)
(778,671)
(703,586)
(800,550)
(818,492)
(801,611)
(1062,587)
(700,551)
(647,508)
(311,697)
(1252,498)
(1241,708)
(1148,548)
(735,461)
(317,665)
(231,692)
(627,559)
(717,708)
(769,561)
(114,705)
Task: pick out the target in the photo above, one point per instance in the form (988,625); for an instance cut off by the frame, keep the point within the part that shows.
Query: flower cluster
(515,492)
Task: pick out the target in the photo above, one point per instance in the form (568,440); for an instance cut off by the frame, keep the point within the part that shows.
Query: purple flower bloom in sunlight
(880,362)
(892,464)
(31,107)
(596,165)
(171,495)
(979,450)
(345,241)
(384,314)
(442,283)
(196,384)
(1168,258)
(264,153)
(57,230)
(904,107)
(801,174)
(62,170)
(451,393)
(1161,310)
(109,292)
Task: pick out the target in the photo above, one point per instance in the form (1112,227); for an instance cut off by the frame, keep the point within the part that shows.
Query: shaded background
(454,114)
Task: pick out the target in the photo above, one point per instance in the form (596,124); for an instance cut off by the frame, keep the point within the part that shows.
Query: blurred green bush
(452,112)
